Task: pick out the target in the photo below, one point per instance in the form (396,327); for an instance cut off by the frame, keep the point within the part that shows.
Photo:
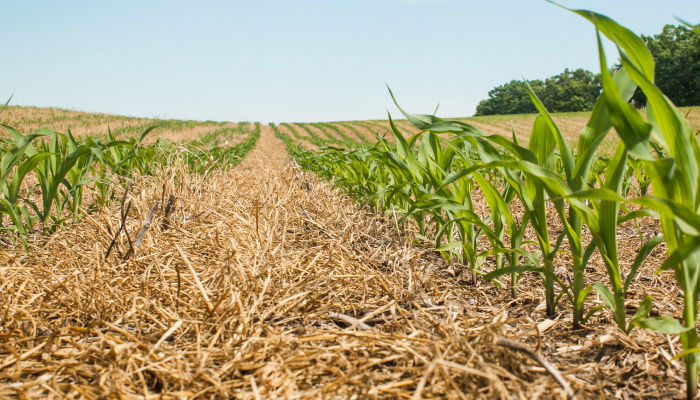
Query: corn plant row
(311,136)
(346,140)
(362,138)
(371,126)
(171,125)
(655,172)
(293,131)
(59,167)
(329,139)
(203,157)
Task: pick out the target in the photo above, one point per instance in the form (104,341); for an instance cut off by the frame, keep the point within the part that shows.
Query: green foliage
(205,154)
(60,167)
(676,52)
(571,91)
(510,98)
(567,92)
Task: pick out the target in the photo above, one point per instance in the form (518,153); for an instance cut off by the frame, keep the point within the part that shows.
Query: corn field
(431,177)
(532,256)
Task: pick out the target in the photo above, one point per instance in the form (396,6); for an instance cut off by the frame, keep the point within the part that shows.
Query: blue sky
(303,60)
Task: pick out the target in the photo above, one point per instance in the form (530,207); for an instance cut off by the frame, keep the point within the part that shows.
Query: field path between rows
(265,283)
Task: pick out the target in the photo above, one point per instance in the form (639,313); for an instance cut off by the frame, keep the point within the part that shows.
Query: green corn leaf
(542,142)
(16,219)
(626,39)
(608,212)
(686,249)
(643,253)
(682,144)
(6,104)
(531,257)
(450,246)
(596,129)
(630,125)
(666,325)
(641,313)
(58,176)
(12,157)
(685,220)
(606,295)
(564,150)
(592,312)
(596,194)
(636,214)
(582,296)
(509,270)
(496,202)
(146,132)
(25,167)
(685,353)
(420,121)
(695,28)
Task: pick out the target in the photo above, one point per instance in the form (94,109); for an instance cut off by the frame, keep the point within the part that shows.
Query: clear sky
(301,60)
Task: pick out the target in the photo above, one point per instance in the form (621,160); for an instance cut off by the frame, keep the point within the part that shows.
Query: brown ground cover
(267,283)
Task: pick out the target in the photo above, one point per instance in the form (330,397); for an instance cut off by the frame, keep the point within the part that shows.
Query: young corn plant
(62,166)
(14,167)
(674,178)
(453,172)
(53,177)
(532,193)
(602,218)
(451,208)
(512,185)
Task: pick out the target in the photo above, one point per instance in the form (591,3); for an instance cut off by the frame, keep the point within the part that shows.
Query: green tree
(676,51)
(510,98)
(571,91)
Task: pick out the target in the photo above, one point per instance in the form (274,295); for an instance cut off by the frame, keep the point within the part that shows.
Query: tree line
(676,51)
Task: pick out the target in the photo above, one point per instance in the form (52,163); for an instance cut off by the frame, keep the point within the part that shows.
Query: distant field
(28,119)
(570,124)
(310,135)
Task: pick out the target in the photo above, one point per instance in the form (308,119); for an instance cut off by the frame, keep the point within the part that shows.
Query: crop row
(431,177)
(44,175)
